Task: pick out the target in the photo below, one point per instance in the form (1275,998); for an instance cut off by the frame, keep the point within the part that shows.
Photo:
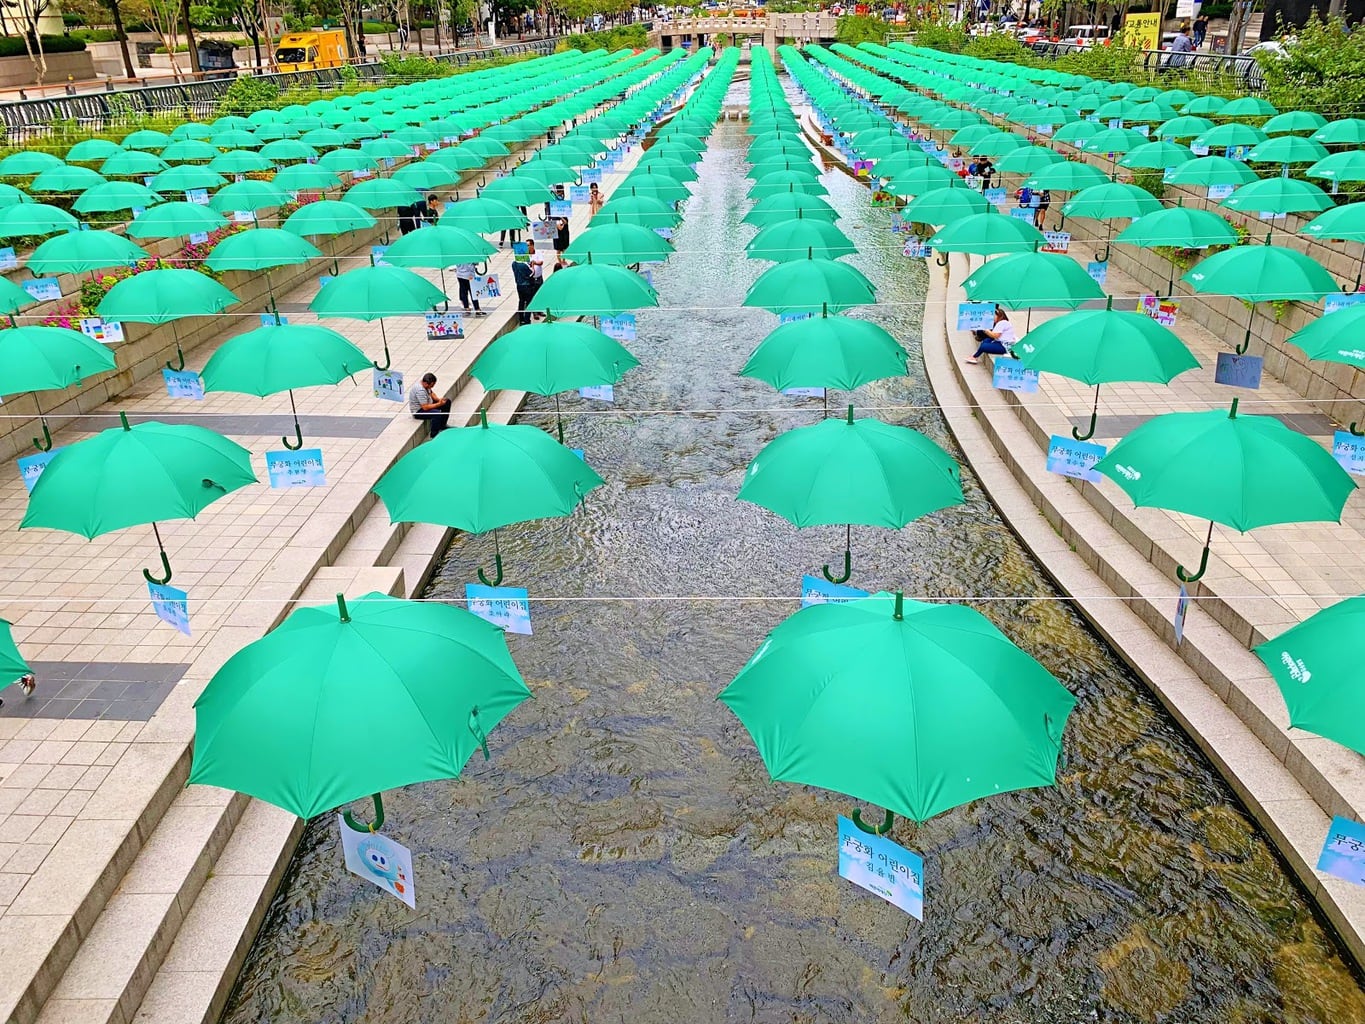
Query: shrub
(949,37)
(95,35)
(1324,70)
(853,29)
(625,37)
(247,95)
(1001,46)
(13,46)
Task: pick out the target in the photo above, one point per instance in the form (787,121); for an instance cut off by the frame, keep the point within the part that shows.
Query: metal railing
(1167,68)
(26,119)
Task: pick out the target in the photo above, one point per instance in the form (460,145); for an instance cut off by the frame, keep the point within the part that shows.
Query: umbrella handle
(388,360)
(45,444)
(1105,257)
(1185,577)
(180,358)
(166,567)
(876,830)
(297,442)
(374,826)
(941,260)
(1094,416)
(1355,431)
(848,569)
(497,573)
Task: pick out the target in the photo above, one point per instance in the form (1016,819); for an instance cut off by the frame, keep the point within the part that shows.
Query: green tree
(1324,70)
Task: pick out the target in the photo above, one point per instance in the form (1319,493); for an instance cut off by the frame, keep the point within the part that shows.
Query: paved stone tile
(245,425)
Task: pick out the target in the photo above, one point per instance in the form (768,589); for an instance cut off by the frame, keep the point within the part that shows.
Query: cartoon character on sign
(382,865)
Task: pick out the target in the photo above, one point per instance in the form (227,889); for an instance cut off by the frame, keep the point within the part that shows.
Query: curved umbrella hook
(374,826)
(388,360)
(941,260)
(45,445)
(1094,416)
(1246,339)
(165,562)
(848,559)
(877,830)
(297,443)
(179,364)
(1186,577)
(497,565)
(1354,428)
(1103,258)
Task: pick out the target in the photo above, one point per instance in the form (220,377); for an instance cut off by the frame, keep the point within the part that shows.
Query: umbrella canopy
(619,245)
(1340,167)
(129,476)
(802,238)
(438,247)
(370,293)
(173,220)
(944,206)
(328,217)
(1241,471)
(961,712)
(1316,665)
(810,286)
(1032,280)
(786,206)
(1279,195)
(280,357)
(1068,176)
(547,358)
(592,289)
(826,352)
(381,194)
(1178,227)
(1344,223)
(1211,170)
(160,296)
(1334,338)
(987,234)
(131,163)
(186,178)
(483,215)
(644,211)
(66,179)
(84,252)
(1111,200)
(46,358)
(12,664)
(247,195)
(1261,273)
(261,249)
(344,701)
(113,196)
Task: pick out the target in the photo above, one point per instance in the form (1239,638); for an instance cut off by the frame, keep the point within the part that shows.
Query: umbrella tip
(123,418)
(899,613)
(850,414)
(1232,412)
(483,417)
(341,607)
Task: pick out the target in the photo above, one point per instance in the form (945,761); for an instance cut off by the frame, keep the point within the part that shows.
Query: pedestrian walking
(465,274)
(526,289)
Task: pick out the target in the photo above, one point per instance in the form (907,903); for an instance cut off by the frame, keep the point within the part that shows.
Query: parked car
(1087,35)
(1247,64)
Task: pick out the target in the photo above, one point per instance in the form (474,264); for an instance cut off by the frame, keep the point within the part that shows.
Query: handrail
(1159,62)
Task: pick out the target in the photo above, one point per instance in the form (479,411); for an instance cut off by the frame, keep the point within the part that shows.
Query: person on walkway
(594,198)
(526,288)
(430,210)
(561,241)
(1201,29)
(465,274)
(996,340)
(425,404)
(1181,48)
(514,232)
(1043,200)
(408,218)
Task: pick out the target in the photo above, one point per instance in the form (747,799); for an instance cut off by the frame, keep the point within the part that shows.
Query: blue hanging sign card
(302,468)
(592,176)
(183,384)
(882,867)
(1349,450)
(1341,300)
(171,606)
(1343,853)
(485,287)
(620,328)
(996,196)
(1022,213)
(1068,457)
(579,194)
(804,392)
(1238,371)
(8,259)
(975,316)
(43,289)
(31,467)
(1099,271)
(818,590)
(601,392)
(388,385)
(377,255)
(273,319)
(1010,375)
(508,608)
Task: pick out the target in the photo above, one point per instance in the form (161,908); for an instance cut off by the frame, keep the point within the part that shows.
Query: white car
(1248,66)
(1087,35)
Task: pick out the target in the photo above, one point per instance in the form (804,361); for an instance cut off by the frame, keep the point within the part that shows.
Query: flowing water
(624,857)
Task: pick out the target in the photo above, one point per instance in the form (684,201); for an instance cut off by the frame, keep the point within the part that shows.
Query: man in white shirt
(537,261)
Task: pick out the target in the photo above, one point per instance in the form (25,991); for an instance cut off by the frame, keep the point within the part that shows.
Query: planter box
(16,71)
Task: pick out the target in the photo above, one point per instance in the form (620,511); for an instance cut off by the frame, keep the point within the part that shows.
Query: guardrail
(1168,69)
(26,119)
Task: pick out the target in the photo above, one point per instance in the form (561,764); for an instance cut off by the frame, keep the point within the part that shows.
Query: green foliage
(860,28)
(624,37)
(412,67)
(1001,46)
(248,95)
(1153,181)
(1323,71)
(950,36)
(13,46)
(378,28)
(1114,62)
(95,35)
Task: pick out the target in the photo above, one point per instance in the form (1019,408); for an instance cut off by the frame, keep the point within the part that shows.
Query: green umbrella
(12,664)
(187,178)
(1248,106)
(1031,280)
(1346,131)
(438,247)
(372,293)
(856,472)
(1241,471)
(785,206)
(11,196)
(90,150)
(800,238)
(240,161)
(84,252)
(1333,338)
(772,184)
(66,179)
(341,702)
(163,297)
(1316,665)
(1068,176)
(940,706)
(285,151)
(944,206)
(1211,170)
(1156,156)
(1187,126)
(987,234)
(283,357)
(1286,150)
(1204,105)
(1260,273)
(12,297)
(548,171)
(826,352)
(1111,200)
(1027,160)
(810,286)
(1279,195)
(247,195)
(1339,167)
(516,191)
(175,220)
(618,244)
(113,196)
(547,358)
(592,289)
(261,249)
(483,215)
(1231,135)
(23,219)
(483,478)
(920,180)
(642,211)
(381,194)
(1105,346)
(146,139)
(132,164)
(128,476)
(305,176)
(46,359)
(27,163)
(351,160)
(328,217)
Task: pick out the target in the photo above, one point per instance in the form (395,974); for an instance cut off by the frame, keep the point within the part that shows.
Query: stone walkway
(80,791)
